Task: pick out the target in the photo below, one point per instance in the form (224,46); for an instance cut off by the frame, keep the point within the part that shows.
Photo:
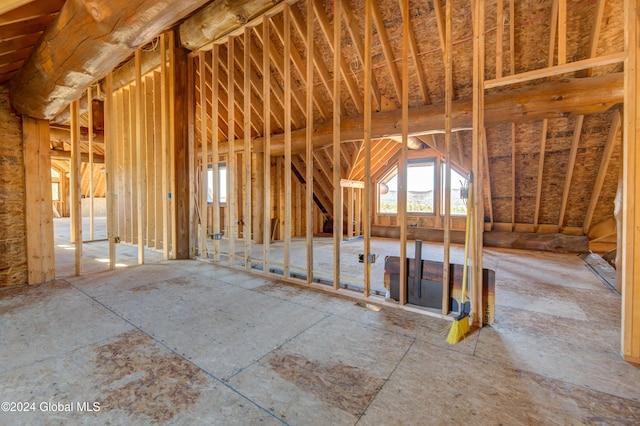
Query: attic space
(305,208)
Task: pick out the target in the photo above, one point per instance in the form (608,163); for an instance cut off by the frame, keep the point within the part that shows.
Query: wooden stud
(266,97)
(164,101)
(478,135)
(311,58)
(231,158)
(513,176)
(204,149)
(91,183)
(499,36)
(215,158)
(247,148)
(337,191)
(38,212)
(287,141)
(150,157)
(403,162)
(448,71)
(368,81)
(76,201)
(160,195)
(193,205)
(631,190)
(172,143)
(110,158)
(141,172)
(562,32)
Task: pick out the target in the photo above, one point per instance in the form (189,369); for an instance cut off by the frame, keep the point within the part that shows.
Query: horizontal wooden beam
(613,58)
(103,34)
(56,154)
(549,99)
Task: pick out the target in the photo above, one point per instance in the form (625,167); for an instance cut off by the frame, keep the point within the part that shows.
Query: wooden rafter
(386,46)
(602,170)
(352,28)
(413,50)
(299,64)
(327,30)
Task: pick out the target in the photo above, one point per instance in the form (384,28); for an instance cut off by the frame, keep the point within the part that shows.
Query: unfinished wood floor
(190,342)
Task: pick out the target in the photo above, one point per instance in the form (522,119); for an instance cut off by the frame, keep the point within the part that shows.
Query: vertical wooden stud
(215,158)
(204,154)
(231,156)
(309,145)
(141,172)
(164,84)
(630,271)
(247,148)
(448,67)
(110,159)
(76,201)
(287,139)
(368,95)
(403,164)
(337,189)
(266,88)
(91,177)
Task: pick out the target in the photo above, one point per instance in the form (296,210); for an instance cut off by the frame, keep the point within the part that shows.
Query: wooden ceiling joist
(103,34)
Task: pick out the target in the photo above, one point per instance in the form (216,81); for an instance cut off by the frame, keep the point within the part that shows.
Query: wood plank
(585,64)
(161,195)
(75,191)
(231,158)
(575,141)
(38,213)
(386,46)
(543,142)
(287,141)
(150,157)
(91,182)
(164,102)
(190,157)
(499,37)
(562,32)
(602,170)
(478,135)
(247,148)
(107,33)
(448,71)
(312,58)
(204,149)
(266,97)
(141,171)
(402,163)
(337,190)
(327,30)
(110,154)
(215,157)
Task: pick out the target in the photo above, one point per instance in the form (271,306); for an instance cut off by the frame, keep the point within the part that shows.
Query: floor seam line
(208,373)
(385,382)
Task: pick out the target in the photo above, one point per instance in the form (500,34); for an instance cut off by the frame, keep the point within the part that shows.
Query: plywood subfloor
(191,342)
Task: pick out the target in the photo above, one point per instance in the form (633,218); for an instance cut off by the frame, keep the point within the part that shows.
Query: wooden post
(193,205)
(141,172)
(337,189)
(512,69)
(215,158)
(266,88)
(91,189)
(204,149)
(630,273)
(247,148)
(76,201)
(150,162)
(164,84)
(287,139)
(309,145)
(448,67)
(38,212)
(402,163)
(110,159)
(368,80)
(231,158)
(478,134)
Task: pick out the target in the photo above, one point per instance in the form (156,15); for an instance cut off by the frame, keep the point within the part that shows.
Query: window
(222,184)
(55,191)
(458,204)
(420,189)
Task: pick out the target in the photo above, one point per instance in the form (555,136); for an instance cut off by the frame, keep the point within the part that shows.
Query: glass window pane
(388,193)
(420,188)
(458,181)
